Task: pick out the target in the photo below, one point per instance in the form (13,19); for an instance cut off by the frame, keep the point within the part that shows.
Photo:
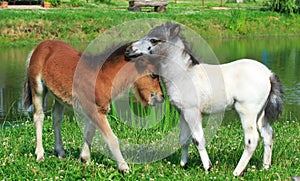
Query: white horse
(249,86)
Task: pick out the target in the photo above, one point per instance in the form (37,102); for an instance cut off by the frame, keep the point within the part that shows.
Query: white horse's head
(161,43)
(157,42)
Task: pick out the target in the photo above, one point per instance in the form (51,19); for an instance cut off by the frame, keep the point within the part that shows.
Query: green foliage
(237,21)
(21,27)
(284,6)
(55,3)
(75,3)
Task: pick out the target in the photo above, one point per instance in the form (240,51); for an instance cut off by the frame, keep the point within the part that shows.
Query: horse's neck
(176,55)
(176,64)
(121,75)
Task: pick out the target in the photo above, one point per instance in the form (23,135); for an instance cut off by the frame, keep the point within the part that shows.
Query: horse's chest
(181,96)
(175,97)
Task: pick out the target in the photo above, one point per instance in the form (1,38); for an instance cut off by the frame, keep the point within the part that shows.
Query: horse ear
(174,30)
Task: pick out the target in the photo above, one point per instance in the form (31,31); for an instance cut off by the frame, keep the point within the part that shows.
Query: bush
(74,2)
(284,6)
(55,3)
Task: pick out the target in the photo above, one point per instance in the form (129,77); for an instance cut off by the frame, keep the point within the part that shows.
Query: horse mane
(100,60)
(188,50)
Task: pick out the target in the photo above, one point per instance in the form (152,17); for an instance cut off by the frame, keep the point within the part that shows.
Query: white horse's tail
(27,95)
(275,99)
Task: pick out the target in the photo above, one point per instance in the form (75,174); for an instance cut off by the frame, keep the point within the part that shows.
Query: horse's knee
(199,142)
(184,139)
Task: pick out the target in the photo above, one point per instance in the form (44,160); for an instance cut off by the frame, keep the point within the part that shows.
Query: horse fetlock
(123,167)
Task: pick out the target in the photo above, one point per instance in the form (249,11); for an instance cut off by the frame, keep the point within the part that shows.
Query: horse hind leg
(251,140)
(38,93)
(267,135)
(57,114)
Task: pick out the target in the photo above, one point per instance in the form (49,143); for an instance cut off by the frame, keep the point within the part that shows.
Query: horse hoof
(84,159)
(184,165)
(123,168)
(39,158)
(236,174)
(266,167)
(59,153)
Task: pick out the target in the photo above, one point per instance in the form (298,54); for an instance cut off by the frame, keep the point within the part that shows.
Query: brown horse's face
(148,90)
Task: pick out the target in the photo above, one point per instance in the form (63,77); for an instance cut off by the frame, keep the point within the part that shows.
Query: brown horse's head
(148,90)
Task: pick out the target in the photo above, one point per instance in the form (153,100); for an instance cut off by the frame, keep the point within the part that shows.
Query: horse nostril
(129,48)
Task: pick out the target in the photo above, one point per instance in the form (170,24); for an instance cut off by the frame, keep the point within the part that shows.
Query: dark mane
(98,60)
(188,50)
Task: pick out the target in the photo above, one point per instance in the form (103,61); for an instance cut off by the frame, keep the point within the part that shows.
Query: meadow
(17,159)
(17,139)
(23,27)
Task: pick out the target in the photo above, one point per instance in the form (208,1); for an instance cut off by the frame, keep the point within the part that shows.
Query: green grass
(22,27)
(17,159)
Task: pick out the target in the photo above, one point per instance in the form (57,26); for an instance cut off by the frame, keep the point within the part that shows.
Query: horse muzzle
(132,52)
(155,99)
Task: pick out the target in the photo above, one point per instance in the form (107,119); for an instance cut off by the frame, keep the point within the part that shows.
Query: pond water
(281,55)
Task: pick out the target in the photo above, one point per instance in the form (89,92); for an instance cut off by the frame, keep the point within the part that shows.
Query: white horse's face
(158,40)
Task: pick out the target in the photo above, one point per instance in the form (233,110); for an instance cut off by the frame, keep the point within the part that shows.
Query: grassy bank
(21,27)
(17,159)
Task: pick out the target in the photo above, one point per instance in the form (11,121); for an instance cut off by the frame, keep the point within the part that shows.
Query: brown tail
(27,95)
(275,99)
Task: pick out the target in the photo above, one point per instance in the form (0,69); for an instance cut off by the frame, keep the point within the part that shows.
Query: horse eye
(153,75)
(154,41)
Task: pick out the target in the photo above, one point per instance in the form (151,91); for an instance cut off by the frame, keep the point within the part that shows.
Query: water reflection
(281,55)
(12,74)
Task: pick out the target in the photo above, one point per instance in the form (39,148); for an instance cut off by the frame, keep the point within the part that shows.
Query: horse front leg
(111,140)
(57,114)
(185,140)
(89,132)
(194,120)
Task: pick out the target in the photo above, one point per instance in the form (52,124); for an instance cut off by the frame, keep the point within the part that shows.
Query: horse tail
(27,94)
(275,99)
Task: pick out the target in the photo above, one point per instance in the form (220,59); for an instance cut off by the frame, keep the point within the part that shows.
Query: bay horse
(250,87)
(51,69)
